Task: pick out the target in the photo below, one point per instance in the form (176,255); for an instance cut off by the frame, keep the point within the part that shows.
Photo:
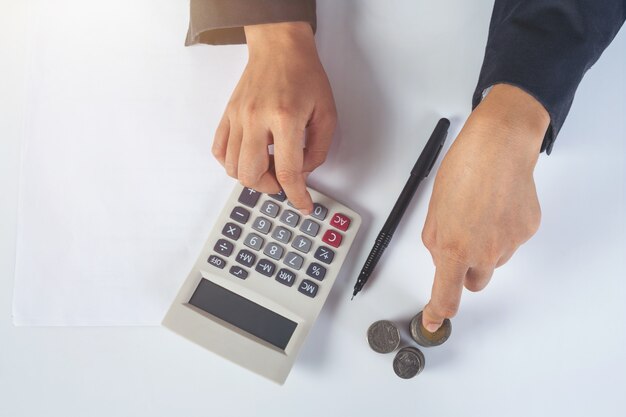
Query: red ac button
(340,221)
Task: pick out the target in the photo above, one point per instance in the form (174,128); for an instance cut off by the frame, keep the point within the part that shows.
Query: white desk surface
(547,337)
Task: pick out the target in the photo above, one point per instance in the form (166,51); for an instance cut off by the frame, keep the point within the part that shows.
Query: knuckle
(473,285)
(231,169)
(248,178)
(316,158)
(287,176)
(455,252)
(218,152)
(428,237)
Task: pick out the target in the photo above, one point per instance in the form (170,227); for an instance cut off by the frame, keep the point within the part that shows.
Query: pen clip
(432,163)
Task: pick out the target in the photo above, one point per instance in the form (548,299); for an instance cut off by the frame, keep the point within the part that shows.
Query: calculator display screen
(243,313)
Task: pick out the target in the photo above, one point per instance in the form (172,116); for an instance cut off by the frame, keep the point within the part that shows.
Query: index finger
(288,161)
(446,294)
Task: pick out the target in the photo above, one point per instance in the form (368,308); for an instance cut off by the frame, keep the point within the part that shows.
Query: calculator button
(310,227)
(270,209)
(319,211)
(290,218)
(324,254)
(232,231)
(308,288)
(240,215)
(302,244)
(262,224)
(224,247)
(293,260)
(273,251)
(254,241)
(217,261)
(265,267)
(238,271)
(286,277)
(281,234)
(332,238)
(340,221)
(280,196)
(316,271)
(245,257)
(249,197)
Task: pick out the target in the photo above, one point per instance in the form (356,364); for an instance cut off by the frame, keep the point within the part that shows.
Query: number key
(310,227)
(270,209)
(290,218)
(262,224)
(293,260)
(281,234)
(253,241)
(273,251)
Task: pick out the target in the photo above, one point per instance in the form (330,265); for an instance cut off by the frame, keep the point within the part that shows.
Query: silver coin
(383,336)
(425,338)
(409,361)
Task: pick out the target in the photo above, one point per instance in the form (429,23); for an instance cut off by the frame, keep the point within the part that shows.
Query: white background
(547,336)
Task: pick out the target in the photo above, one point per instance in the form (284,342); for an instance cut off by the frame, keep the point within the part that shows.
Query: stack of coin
(409,361)
(383,336)
(425,338)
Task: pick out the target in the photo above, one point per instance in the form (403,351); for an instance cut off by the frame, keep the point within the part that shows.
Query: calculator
(262,278)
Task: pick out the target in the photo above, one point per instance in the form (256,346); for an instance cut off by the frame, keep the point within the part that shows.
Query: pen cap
(431,151)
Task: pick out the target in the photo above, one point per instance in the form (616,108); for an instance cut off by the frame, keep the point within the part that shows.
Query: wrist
(277,37)
(515,118)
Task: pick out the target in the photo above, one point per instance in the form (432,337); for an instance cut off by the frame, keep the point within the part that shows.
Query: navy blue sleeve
(545,47)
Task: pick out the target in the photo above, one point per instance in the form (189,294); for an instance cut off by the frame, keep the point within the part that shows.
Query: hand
(484,203)
(283,94)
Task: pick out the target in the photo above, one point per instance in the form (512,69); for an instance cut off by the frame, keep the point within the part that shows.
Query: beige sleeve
(220,22)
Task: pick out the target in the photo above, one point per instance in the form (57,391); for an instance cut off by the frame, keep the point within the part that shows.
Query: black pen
(420,171)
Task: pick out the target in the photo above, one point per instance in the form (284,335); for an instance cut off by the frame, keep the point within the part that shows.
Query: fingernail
(432,327)
(306,212)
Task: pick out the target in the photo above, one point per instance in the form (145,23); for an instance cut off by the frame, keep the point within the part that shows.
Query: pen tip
(352,298)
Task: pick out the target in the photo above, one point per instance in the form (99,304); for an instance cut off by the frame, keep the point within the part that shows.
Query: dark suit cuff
(545,47)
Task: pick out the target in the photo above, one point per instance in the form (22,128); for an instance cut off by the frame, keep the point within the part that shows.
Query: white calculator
(262,279)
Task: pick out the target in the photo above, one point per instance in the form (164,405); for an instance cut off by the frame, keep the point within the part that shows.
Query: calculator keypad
(290,242)
(294,260)
(254,241)
(281,234)
(224,247)
(249,197)
(245,257)
(273,250)
(302,244)
(310,227)
(232,231)
(290,218)
(262,224)
(240,214)
(266,267)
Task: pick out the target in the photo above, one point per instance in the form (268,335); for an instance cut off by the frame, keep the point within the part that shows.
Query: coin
(409,361)
(425,338)
(383,336)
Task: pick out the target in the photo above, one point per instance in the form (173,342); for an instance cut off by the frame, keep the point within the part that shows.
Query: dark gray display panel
(243,313)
